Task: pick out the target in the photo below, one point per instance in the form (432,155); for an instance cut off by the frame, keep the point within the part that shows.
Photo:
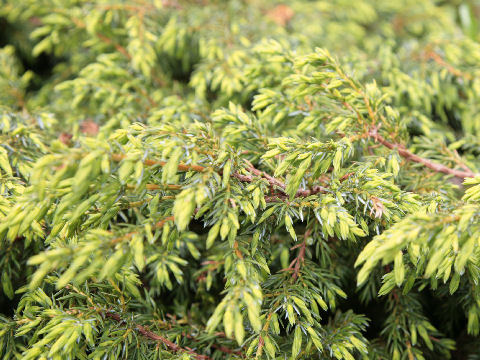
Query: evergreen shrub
(242,179)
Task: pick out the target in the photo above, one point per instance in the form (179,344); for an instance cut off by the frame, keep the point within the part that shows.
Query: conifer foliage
(239,179)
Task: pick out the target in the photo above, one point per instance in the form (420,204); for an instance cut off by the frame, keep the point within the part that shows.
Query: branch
(261,342)
(274,182)
(117,47)
(82,25)
(157,225)
(300,259)
(155,337)
(401,150)
(415,158)
(157,187)
(149,162)
(222,348)
(145,332)
(431,54)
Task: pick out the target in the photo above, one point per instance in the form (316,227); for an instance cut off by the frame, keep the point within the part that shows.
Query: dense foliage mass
(239,179)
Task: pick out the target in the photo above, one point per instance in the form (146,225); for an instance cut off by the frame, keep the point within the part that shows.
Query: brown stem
(157,187)
(300,259)
(163,187)
(346,176)
(157,225)
(415,158)
(145,332)
(155,337)
(430,54)
(149,162)
(261,343)
(132,8)
(401,150)
(81,24)
(274,182)
(222,348)
(276,198)
(118,47)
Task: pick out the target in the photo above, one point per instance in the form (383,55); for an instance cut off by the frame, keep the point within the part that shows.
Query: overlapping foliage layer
(239,179)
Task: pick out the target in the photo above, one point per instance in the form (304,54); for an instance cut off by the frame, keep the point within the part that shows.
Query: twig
(415,158)
(274,182)
(155,337)
(149,162)
(157,225)
(82,25)
(300,259)
(132,8)
(222,348)
(261,342)
(118,47)
(145,332)
(157,187)
(431,54)
(346,176)
(401,150)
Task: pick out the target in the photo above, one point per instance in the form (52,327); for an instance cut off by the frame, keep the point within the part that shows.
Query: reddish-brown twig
(430,54)
(157,225)
(297,263)
(155,337)
(274,182)
(279,184)
(149,162)
(299,260)
(373,133)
